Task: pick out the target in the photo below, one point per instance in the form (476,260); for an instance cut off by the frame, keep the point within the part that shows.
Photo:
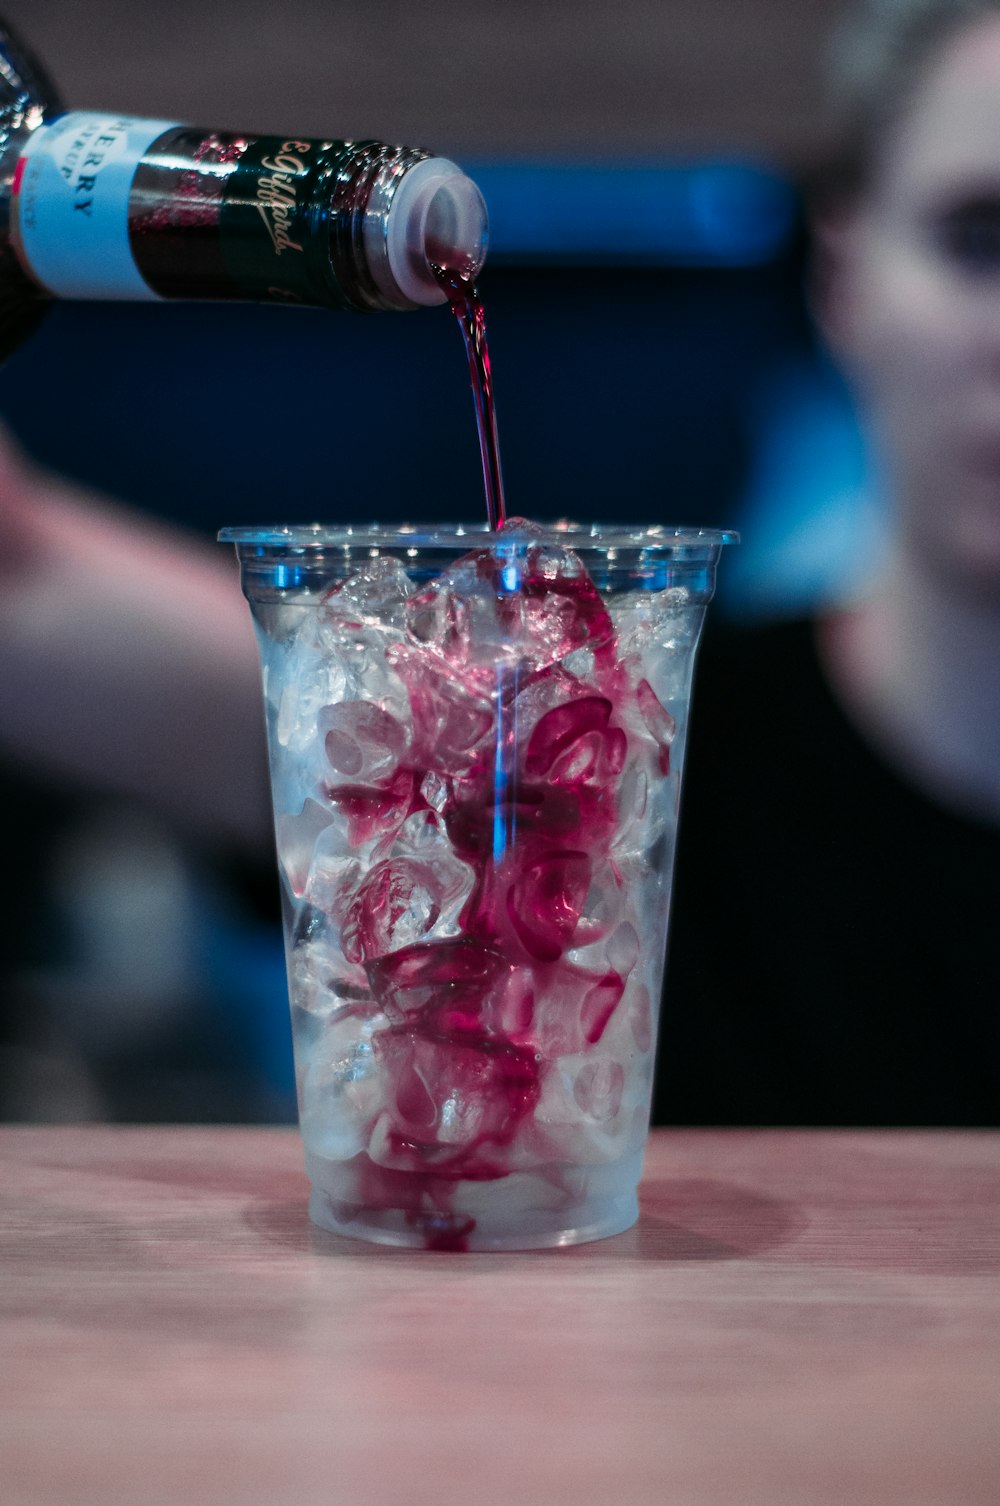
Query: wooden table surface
(799,1318)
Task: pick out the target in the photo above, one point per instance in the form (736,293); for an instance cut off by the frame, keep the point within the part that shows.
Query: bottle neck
(366,183)
(115,207)
(274,219)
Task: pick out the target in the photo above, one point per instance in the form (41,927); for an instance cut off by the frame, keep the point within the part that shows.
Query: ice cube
(374,813)
(295,839)
(451,723)
(602,911)
(458,621)
(311,677)
(320,979)
(422,836)
(658,720)
(363,743)
(437,620)
(407,982)
(623,949)
(455,987)
(518,606)
(517,528)
(640,1018)
(561,609)
(580,662)
(451,1097)
(572,1008)
(588,1111)
(598,1088)
(544,902)
(343,1092)
(558,729)
(354,633)
(372,600)
(652,625)
(335,871)
(436,790)
(568,744)
(396,905)
(632,801)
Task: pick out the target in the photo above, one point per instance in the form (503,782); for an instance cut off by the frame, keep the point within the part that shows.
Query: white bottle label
(70,203)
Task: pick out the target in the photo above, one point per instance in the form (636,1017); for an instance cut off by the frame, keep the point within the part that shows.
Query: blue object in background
(699,214)
(811,520)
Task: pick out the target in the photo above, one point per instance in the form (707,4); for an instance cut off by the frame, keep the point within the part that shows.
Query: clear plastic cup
(476,743)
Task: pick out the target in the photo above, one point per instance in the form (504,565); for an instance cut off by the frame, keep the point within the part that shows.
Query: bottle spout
(437,218)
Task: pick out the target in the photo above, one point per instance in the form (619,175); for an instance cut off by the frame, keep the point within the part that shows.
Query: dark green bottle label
(275,221)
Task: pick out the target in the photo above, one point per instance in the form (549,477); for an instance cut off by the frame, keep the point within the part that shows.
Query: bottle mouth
(435,217)
(455,228)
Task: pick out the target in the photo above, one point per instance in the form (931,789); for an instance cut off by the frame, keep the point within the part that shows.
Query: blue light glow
(713,213)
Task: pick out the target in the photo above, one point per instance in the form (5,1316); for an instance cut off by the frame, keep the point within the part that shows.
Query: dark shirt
(833,955)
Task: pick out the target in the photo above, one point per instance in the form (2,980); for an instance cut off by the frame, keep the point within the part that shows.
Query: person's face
(914,310)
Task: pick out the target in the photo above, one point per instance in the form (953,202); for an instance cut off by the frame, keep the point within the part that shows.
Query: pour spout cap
(437,217)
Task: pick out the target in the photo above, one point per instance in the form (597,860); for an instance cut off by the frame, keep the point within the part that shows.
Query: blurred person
(832,957)
(127,659)
(133,762)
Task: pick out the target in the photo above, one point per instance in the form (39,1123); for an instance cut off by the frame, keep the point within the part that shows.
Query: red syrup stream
(467,306)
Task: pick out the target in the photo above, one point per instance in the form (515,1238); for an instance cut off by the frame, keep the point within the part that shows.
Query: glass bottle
(97,205)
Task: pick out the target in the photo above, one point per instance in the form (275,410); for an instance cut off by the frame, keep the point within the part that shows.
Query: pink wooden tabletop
(799,1319)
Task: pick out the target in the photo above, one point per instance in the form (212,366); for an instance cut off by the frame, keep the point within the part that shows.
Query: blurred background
(653,359)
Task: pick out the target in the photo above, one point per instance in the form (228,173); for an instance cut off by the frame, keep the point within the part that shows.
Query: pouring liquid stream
(467,307)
